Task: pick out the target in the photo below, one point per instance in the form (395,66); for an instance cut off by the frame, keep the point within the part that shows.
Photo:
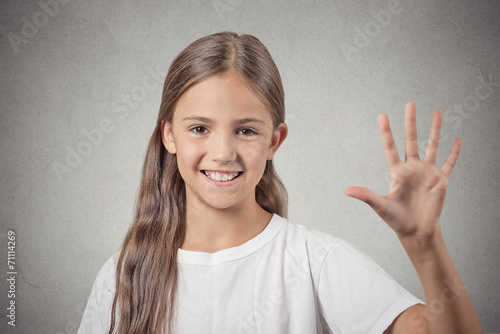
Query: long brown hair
(147,272)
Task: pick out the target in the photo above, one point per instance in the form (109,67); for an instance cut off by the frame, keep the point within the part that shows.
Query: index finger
(390,149)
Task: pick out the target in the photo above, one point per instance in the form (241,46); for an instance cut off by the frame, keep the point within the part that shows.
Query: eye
(247,132)
(199,130)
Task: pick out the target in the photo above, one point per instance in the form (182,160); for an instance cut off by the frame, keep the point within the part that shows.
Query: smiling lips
(221,176)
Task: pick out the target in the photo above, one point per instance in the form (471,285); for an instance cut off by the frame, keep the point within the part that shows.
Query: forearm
(449,307)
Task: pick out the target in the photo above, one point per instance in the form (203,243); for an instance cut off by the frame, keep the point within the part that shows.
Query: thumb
(374,200)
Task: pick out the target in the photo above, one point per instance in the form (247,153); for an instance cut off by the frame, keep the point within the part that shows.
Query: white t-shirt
(287,279)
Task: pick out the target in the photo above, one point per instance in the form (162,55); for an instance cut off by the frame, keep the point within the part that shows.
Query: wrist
(424,248)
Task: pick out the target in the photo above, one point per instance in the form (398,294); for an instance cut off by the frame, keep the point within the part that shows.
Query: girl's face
(222,135)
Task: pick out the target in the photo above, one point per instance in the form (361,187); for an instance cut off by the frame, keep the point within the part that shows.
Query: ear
(167,137)
(279,136)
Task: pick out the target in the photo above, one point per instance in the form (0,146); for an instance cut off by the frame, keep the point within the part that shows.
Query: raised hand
(417,188)
(412,208)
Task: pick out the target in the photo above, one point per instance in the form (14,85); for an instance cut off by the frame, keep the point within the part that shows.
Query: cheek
(254,153)
(189,155)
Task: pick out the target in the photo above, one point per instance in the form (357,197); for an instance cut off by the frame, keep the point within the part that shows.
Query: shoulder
(295,229)
(298,236)
(318,242)
(331,255)
(97,315)
(105,280)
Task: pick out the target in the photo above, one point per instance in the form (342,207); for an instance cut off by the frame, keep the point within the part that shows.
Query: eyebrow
(210,121)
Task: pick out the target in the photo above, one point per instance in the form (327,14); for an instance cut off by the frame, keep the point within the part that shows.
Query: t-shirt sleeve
(96,318)
(356,295)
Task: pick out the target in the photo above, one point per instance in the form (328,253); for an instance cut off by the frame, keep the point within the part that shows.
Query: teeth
(222,178)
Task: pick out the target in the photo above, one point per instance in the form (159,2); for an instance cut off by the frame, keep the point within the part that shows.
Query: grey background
(85,58)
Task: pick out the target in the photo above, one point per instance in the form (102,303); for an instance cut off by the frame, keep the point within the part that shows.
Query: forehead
(221,97)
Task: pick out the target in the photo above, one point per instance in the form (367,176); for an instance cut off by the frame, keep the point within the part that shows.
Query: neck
(210,230)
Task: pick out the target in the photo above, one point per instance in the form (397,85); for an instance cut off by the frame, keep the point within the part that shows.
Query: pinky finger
(450,162)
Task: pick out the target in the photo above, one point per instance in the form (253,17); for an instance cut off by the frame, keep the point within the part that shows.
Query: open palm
(417,188)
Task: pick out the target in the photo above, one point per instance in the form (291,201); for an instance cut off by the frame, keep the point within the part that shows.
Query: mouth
(221,176)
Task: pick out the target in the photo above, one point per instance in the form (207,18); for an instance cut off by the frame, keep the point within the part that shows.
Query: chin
(221,204)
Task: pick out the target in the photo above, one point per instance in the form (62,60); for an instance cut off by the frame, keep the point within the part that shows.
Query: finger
(431,152)
(390,149)
(450,162)
(411,141)
(376,201)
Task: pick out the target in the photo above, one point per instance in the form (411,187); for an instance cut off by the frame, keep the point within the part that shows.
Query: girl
(210,250)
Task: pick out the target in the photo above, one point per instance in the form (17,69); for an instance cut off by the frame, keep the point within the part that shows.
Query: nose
(222,148)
